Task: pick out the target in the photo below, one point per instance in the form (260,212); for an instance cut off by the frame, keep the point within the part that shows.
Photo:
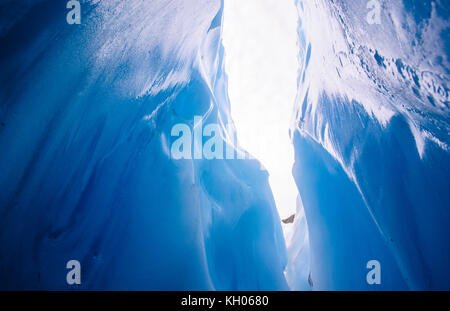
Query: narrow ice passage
(88,119)
(261,60)
(262,63)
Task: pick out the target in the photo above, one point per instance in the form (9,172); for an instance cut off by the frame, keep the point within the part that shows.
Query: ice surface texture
(371,135)
(86,172)
(86,113)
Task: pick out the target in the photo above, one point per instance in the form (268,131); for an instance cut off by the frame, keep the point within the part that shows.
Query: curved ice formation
(87,174)
(371,135)
(86,171)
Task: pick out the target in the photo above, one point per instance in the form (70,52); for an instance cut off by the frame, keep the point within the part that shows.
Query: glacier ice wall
(371,134)
(86,114)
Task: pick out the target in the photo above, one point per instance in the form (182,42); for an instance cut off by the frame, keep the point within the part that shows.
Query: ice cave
(224,145)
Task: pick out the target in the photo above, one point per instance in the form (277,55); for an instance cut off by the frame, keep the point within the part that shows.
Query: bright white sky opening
(260,39)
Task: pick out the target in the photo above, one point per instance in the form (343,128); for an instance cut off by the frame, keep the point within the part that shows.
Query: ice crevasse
(87,113)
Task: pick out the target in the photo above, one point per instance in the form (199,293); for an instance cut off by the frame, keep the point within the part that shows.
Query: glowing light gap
(260,39)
